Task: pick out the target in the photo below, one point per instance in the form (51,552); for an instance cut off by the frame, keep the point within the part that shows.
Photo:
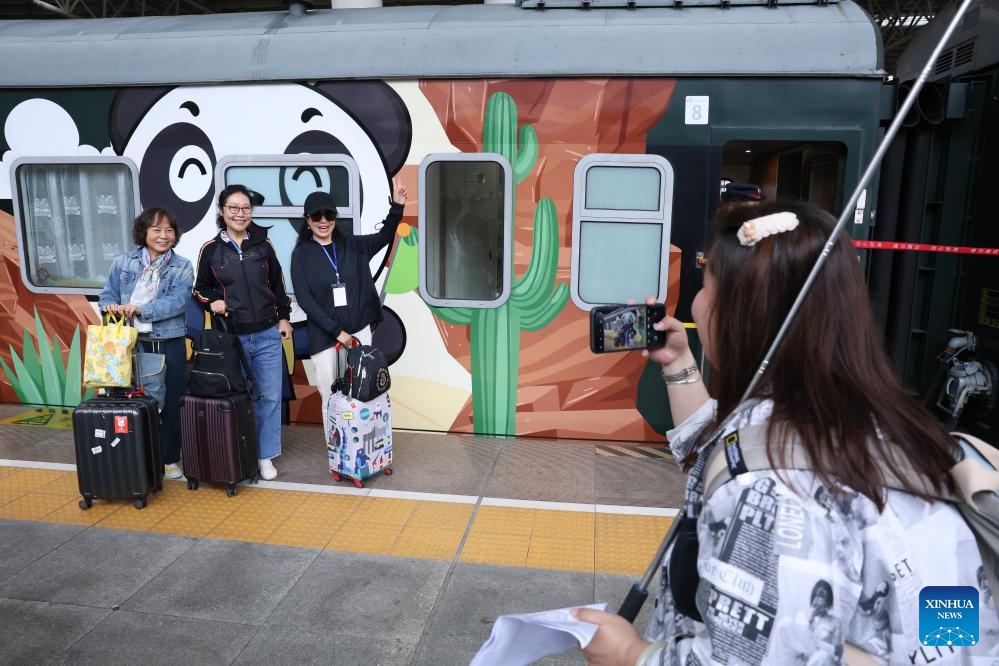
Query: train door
(789,169)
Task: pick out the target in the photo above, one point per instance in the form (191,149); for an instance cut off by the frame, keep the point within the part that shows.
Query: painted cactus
(535,299)
(499,135)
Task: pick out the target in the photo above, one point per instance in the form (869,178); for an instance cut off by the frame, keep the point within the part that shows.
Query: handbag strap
(218,323)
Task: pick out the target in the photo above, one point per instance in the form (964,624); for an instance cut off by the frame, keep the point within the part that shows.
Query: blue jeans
(175,351)
(265,355)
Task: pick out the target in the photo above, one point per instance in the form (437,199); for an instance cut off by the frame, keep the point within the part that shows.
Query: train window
(806,170)
(283,182)
(466,205)
(74,216)
(622,209)
(623,188)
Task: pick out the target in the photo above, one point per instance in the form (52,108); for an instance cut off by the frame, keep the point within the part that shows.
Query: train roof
(835,39)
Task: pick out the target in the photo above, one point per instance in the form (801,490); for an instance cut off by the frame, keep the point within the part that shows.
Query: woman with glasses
(239,278)
(333,284)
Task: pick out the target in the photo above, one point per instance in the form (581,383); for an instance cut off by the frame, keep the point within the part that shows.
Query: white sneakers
(173,471)
(267,469)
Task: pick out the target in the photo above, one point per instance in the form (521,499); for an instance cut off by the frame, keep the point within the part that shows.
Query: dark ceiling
(899,19)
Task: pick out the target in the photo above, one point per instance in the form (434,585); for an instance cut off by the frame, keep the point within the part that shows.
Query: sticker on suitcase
(360,436)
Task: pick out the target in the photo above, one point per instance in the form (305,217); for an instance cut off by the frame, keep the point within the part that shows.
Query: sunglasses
(330,215)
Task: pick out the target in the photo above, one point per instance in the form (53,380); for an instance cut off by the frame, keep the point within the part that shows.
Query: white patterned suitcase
(359,440)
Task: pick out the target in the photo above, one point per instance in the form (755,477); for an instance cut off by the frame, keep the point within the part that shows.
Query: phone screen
(625,328)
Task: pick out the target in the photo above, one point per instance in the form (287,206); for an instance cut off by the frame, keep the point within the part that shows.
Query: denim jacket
(168,311)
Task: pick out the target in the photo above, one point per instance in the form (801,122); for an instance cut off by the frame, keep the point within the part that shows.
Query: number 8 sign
(696,110)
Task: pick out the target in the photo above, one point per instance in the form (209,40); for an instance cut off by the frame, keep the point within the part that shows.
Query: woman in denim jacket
(152,286)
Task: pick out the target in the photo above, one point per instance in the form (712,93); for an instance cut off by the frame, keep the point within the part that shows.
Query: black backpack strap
(745,450)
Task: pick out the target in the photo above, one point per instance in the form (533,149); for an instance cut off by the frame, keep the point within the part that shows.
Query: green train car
(561,156)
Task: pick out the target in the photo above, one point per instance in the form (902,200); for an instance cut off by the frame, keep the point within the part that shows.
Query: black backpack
(217,368)
(367,375)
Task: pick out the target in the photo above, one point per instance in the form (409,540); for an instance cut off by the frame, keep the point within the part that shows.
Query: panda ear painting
(380,111)
(127,109)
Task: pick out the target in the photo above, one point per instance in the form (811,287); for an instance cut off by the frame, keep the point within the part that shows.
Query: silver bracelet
(682,376)
(646,657)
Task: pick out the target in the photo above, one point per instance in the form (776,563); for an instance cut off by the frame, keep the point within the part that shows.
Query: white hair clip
(755,230)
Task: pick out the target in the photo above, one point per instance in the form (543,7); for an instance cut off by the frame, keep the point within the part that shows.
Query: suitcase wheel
(357,483)
(192,484)
(388,471)
(86,503)
(139,503)
(231,490)
(336,477)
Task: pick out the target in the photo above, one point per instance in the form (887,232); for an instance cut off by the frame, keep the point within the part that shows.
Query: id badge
(339,295)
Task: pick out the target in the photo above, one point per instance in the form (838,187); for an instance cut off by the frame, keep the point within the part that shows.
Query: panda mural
(176,136)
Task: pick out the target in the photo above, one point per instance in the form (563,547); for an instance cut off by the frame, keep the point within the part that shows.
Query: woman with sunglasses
(331,274)
(239,278)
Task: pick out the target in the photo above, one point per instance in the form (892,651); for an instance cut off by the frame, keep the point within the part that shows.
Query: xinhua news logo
(948,616)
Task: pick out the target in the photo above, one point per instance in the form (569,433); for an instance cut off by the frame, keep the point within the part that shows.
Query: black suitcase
(117,442)
(218,440)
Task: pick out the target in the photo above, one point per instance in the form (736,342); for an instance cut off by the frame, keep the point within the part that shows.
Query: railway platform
(412,569)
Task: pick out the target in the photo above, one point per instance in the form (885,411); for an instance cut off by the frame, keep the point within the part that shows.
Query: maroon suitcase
(218,440)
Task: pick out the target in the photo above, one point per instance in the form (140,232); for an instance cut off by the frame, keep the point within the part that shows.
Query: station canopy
(899,20)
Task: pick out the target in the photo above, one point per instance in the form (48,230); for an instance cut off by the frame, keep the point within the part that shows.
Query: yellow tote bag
(108,358)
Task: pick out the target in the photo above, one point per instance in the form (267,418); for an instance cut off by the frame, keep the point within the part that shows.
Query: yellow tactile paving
(24,482)
(384,511)
(195,520)
(373,538)
(31,506)
(303,532)
(65,484)
(663,523)
(496,548)
(128,518)
(565,524)
(431,543)
(442,515)
(560,553)
(505,536)
(70,512)
(505,520)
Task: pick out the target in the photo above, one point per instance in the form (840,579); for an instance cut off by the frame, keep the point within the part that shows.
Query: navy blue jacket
(312,276)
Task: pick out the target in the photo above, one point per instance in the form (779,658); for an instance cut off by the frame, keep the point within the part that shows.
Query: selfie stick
(639,591)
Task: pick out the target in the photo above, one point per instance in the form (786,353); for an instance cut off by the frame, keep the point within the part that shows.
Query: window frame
(508,203)
(351,211)
(18,203)
(580,214)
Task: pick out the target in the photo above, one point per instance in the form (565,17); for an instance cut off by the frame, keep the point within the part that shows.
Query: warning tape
(924,247)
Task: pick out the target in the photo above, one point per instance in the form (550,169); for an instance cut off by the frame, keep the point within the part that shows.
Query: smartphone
(625,327)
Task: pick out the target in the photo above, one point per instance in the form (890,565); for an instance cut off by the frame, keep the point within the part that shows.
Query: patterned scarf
(147,285)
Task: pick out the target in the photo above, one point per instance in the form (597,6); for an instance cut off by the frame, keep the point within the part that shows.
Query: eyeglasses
(233,209)
(330,215)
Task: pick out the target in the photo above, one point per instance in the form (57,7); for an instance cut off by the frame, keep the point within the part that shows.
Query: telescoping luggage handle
(639,591)
(339,384)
